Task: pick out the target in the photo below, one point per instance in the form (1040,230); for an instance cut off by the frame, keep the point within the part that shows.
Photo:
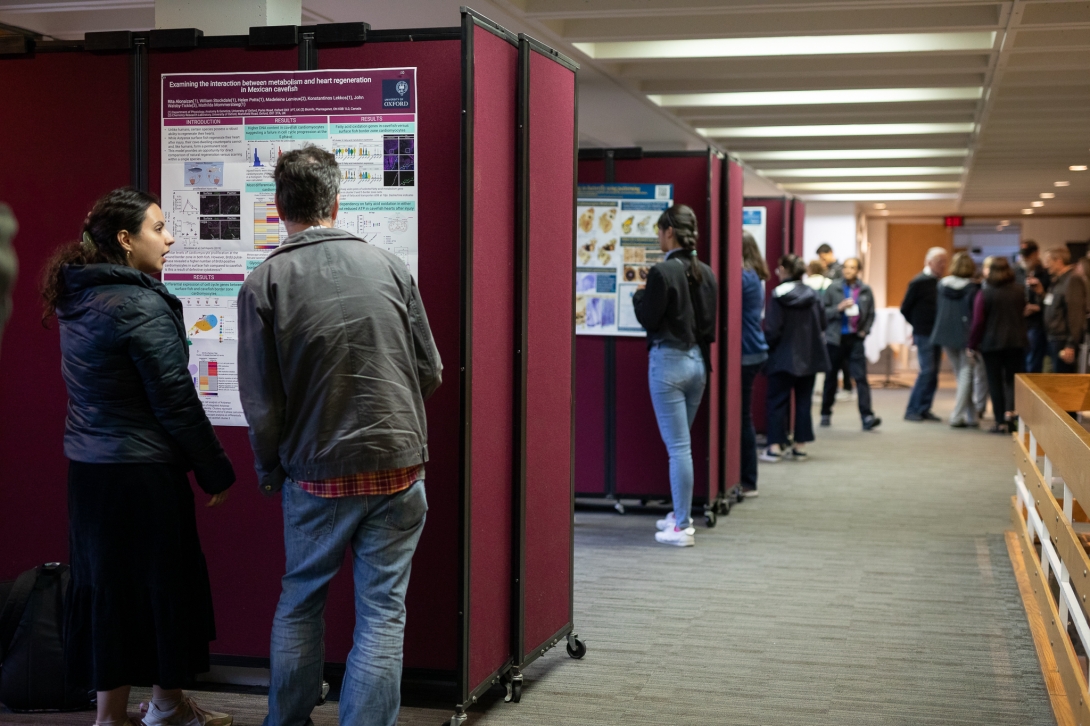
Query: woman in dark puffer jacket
(139,609)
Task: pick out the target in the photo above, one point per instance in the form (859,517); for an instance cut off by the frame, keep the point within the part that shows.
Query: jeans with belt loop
(676,379)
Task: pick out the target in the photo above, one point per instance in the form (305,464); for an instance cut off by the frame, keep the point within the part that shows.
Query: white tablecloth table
(890,328)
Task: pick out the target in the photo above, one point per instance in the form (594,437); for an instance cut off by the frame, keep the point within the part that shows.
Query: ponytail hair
(682,220)
(121,209)
(794,266)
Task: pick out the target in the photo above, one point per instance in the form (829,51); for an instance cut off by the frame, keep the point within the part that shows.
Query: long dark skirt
(139,611)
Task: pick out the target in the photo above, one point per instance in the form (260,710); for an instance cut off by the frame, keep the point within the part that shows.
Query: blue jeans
(923,392)
(676,379)
(382,532)
(1037,348)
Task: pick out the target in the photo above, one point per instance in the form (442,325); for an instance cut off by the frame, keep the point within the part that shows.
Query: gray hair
(307,183)
(933,253)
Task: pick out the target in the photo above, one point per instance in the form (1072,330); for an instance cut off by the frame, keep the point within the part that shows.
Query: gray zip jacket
(335,360)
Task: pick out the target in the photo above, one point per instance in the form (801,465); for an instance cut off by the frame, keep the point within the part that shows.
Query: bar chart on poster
(222,135)
(616,245)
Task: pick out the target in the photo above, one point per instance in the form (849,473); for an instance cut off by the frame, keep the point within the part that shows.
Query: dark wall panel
(732,322)
(549,349)
(495,78)
(590,388)
(65,121)
(431,633)
(713,229)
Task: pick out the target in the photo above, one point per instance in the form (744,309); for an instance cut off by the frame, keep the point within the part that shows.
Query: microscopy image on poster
(616,245)
(222,135)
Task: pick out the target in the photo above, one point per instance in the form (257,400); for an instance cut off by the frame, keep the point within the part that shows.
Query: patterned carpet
(869,585)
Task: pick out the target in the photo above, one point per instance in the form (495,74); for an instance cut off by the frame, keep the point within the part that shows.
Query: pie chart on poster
(204,324)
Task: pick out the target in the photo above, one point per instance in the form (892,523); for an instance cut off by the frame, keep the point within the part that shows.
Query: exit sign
(955,221)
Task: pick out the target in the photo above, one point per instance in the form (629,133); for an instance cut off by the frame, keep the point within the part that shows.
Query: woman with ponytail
(139,607)
(678,308)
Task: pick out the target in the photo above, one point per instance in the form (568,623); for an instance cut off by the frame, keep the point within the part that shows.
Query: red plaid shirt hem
(367,483)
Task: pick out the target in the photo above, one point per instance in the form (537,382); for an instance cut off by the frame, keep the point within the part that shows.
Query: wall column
(236,17)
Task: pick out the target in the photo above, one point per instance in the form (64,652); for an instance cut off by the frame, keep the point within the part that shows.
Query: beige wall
(1055,231)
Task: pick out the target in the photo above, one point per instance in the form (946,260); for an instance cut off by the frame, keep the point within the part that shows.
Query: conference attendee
(139,606)
(999,334)
(670,308)
(333,379)
(1065,309)
(919,307)
(828,258)
(849,314)
(815,277)
(9,265)
(795,330)
(1033,276)
(953,319)
(754,352)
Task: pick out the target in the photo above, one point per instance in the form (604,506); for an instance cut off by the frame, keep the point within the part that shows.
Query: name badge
(1048,299)
(852,312)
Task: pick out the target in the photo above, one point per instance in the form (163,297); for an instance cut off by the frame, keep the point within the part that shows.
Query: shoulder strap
(14,606)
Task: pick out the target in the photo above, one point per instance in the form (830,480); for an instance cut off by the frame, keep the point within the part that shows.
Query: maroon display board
(798,225)
(65,118)
(463,607)
(544,475)
(777,244)
(636,464)
(731,322)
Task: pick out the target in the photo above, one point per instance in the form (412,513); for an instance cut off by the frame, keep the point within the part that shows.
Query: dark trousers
(923,392)
(749,433)
(1001,366)
(1037,348)
(848,354)
(1058,366)
(846,369)
(780,388)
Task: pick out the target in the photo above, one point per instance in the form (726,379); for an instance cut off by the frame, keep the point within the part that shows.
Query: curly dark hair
(121,209)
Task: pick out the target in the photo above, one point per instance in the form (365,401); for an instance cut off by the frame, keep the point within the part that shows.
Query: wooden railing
(1052,483)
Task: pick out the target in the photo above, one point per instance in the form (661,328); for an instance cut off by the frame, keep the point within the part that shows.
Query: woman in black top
(795,330)
(677,308)
(139,609)
(999,334)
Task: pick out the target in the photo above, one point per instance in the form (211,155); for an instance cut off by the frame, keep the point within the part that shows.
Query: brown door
(908,245)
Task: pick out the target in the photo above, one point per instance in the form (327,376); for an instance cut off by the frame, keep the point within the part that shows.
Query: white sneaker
(187,714)
(770,456)
(679,538)
(667,522)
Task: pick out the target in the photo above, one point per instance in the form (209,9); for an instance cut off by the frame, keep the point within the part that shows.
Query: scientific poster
(616,245)
(753,221)
(222,134)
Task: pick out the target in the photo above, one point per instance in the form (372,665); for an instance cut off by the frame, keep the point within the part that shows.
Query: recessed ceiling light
(846,154)
(1061,184)
(790,45)
(770,132)
(879,206)
(1027,211)
(1036,204)
(872,196)
(884,212)
(1077,167)
(1048,195)
(1005,223)
(815,98)
(868,185)
(856,171)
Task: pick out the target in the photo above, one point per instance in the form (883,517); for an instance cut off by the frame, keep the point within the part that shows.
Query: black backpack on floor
(32,668)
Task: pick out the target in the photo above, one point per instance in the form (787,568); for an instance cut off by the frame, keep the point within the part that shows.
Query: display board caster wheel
(710,517)
(324,693)
(459,717)
(513,682)
(619,507)
(723,507)
(576,647)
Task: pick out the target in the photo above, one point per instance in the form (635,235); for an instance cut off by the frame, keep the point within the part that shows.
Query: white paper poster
(616,245)
(222,134)
(754,220)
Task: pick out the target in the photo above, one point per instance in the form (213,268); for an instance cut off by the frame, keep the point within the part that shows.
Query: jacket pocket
(405,510)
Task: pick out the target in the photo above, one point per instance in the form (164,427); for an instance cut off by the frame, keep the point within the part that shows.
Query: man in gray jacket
(849,312)
(335,361)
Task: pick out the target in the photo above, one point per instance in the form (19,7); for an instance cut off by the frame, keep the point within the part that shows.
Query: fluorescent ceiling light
(865,171)
(1061,184)
(868,185)
(849,154)
(1036,204)
(870,197)
(816,98)
(1048,195)
(775,132)
(790,45)
(1077,167)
